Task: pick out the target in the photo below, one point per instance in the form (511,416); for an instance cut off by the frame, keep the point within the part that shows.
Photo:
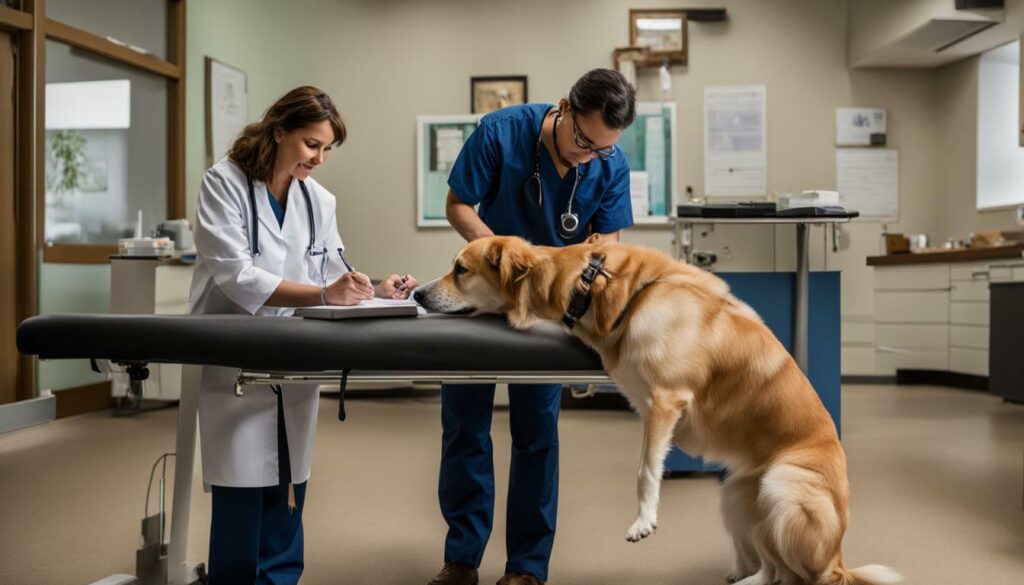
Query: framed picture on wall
(487,94)
(226,97)
(439,140)
(661,32)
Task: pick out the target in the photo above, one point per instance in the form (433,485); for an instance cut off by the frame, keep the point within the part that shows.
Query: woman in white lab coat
(267,241)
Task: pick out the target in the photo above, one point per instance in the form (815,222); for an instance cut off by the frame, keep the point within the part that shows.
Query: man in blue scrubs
(553,175)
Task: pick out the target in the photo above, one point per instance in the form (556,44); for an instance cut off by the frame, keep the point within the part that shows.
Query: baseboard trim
(83,399)
(858,379)
(942,378)
(27,413)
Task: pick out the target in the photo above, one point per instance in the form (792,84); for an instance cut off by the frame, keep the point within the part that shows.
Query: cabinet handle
(980,275)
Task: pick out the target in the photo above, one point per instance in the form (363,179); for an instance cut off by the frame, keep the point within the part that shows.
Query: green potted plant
(67,164)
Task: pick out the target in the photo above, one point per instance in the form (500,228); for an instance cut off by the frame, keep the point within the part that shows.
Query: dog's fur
(702,370)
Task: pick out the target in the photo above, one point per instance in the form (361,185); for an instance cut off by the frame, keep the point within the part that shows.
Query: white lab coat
(239,433)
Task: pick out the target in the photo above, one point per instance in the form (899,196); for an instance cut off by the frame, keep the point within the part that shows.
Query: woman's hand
(397,287)
(351,288)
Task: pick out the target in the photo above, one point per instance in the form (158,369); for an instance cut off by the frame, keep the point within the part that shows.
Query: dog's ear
(513,258)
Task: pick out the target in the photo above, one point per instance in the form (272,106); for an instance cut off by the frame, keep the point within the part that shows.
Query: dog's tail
(866,575)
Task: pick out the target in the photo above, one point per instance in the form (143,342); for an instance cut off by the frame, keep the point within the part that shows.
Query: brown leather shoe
(453,574)
(519,579)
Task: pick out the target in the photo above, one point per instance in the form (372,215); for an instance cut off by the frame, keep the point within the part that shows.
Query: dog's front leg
(659,425)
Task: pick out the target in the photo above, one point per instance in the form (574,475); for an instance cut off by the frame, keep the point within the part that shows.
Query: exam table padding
(292,344)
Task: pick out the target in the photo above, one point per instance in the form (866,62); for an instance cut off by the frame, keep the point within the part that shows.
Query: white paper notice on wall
(226,107)
(868,181)
(857,126)
(639,189)
(735,139)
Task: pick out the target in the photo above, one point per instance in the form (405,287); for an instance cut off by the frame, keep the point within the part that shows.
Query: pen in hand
(357,276)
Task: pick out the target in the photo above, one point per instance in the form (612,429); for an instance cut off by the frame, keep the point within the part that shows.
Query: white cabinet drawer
(968,361)
(912,307)
(1000,273)
(969,290)
(888,360)
(1018,274)
(969,270)
(968,313)
(927,277)
(968,336)
(857,332)
(858,361)
(913,336)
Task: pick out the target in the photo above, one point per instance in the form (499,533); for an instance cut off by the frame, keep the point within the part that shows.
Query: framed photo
(226,96)
(661,32)
(439,140)
(487,94)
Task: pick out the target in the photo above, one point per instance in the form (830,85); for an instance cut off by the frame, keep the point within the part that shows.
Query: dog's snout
(418,296)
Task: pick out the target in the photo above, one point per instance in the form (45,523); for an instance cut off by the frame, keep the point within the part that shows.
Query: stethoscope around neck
(569,222)
(311,249)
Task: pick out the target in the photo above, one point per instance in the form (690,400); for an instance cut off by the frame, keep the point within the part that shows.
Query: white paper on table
(868,180)
(448,145)
(854,126)
(735,139)
(639,193)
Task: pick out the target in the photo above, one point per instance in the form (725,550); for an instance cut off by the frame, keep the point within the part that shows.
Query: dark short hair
(255,148)
(608,92)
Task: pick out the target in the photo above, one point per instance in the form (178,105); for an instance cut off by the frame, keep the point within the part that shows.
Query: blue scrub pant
(466,486)
(254,537)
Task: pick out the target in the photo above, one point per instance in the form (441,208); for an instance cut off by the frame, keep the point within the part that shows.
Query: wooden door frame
(32,29)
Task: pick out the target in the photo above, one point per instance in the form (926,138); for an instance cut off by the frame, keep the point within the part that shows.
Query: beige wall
(385,62)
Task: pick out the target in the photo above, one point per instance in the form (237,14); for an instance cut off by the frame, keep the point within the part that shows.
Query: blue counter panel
(771,295)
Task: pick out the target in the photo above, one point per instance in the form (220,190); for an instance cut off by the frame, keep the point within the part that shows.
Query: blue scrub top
(497,159)
(278,210)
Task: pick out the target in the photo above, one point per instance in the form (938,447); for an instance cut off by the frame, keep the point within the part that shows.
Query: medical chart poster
(439,140)
(226,107)
(735,141)
(649,146)
(868,181)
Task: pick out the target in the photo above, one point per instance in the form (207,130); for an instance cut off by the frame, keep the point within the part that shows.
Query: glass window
(106,147)
(1000,179)
(141,24)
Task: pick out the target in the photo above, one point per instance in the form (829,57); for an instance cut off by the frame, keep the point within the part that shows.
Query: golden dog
(702,369)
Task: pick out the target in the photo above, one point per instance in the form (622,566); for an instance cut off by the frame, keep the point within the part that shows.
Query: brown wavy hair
(255,149)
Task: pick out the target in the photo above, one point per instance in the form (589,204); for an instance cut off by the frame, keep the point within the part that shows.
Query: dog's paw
(640,530)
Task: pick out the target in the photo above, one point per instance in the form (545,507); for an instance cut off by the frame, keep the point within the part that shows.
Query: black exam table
(285,350)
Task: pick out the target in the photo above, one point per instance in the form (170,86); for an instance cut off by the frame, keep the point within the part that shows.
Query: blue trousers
(254,537)
(466,486)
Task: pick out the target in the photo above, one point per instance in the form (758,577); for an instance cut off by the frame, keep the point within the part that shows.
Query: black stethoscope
(311,249)
(569,222)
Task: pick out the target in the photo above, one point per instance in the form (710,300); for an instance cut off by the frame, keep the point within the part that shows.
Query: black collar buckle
(581,296)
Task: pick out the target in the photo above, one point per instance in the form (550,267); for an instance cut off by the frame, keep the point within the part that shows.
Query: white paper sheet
(854,126)
(639,192)
(449,144)
(868,180)
(735,139)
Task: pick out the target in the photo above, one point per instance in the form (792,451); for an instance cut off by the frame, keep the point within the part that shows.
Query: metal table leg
(179,572)
(801,297)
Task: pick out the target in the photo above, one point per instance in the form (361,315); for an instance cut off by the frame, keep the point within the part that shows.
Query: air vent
(938,35)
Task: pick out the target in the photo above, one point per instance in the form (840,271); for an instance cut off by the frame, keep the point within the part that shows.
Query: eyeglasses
(602,153)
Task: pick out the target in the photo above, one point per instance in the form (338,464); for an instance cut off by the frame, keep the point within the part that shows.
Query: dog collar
(581,295)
